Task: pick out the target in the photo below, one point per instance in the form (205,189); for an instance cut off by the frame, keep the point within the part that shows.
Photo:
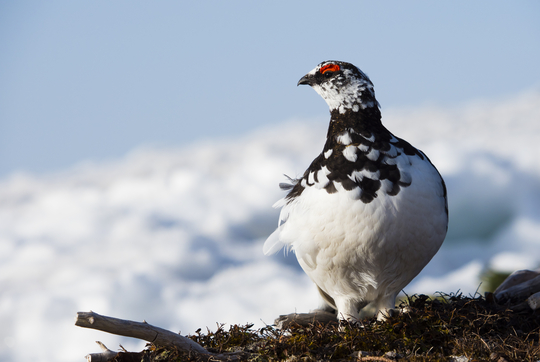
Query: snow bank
(175,236)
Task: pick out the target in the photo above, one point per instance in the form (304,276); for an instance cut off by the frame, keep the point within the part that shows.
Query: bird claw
(305,319)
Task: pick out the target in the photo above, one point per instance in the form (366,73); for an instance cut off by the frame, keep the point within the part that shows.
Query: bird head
(343,86)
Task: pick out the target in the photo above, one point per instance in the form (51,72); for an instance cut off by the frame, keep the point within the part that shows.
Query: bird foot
(383,315)
(350,323)
(305,319)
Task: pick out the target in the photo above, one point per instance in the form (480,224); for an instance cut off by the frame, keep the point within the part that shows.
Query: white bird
(370,211)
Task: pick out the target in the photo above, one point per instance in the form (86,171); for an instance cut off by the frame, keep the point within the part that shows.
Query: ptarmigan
(370,211)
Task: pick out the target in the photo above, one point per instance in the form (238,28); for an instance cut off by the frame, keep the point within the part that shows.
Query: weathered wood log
(534,301)
(520,307)
(516,278)
(144,331)
(518,292)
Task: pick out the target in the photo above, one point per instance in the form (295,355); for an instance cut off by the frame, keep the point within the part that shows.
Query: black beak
(306,79)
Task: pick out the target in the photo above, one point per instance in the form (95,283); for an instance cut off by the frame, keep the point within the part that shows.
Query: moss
(491,279)
(432,330)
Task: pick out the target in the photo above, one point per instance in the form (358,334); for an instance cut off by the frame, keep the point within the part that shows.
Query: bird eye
(330,68)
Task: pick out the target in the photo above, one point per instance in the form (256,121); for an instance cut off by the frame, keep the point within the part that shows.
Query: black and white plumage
(370,211)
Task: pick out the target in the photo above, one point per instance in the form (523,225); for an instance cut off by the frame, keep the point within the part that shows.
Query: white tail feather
(273,244)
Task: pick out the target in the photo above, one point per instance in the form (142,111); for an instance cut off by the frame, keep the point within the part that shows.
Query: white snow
(175,236)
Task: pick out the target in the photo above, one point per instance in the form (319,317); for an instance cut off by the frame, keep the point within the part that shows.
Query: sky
(91,81)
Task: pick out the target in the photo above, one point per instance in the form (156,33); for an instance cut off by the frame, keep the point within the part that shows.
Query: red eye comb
(330,68)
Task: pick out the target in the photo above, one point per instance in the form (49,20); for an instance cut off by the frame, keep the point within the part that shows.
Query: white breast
(368,250)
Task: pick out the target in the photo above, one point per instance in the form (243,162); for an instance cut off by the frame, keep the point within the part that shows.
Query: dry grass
(433,330)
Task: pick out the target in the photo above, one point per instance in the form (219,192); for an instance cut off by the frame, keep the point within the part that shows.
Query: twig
(104,356)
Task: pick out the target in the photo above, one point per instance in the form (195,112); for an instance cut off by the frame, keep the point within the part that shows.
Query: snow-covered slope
(175,236)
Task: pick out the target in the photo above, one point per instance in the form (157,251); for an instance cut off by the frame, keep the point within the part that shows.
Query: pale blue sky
(91,80)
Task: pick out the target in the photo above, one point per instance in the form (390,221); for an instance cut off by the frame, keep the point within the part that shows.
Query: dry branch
(104,356)
(145,331)
(155,335)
